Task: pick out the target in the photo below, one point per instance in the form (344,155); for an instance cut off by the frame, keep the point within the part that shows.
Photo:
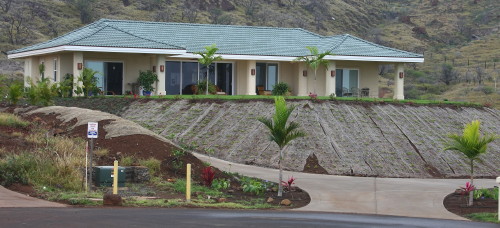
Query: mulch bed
(140,147)
(457,203)
(312,165)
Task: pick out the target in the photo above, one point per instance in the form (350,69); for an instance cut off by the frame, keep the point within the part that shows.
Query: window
(267,75)
(55,70)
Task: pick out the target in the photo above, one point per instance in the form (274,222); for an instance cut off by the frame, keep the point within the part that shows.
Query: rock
(171,180)
(112,200)
(286,202)
(230,191)
(275,189)
(221,200)
(270,200)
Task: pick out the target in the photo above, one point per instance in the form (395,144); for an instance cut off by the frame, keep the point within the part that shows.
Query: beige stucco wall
(289,72)
(368,74)
(132,64)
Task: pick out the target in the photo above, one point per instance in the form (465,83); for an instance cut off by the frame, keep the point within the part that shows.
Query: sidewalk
(9,198)
(367,195)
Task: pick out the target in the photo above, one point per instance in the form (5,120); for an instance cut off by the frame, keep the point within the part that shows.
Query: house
(253,58)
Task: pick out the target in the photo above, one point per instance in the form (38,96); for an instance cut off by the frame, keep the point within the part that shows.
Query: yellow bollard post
(188,183)
(115,178)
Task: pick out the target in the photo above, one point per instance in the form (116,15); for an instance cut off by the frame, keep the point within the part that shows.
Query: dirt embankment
(346,138)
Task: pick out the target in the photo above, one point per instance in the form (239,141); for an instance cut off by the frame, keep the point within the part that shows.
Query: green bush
(15,93)
(153,165)
(220,184)
(46,92)
(16,169)
(66,86)
(146,80)
(281,89)
(202,85)
(89,83)
(253,185)
(488,90)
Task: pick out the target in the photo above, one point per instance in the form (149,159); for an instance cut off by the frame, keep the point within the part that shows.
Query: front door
(114,78)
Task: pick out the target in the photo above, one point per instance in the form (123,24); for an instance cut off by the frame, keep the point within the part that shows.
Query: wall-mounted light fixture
(252,71)
(401,74)
(162,68)
(304,73)
(332,73)
(154,69)
(79,66)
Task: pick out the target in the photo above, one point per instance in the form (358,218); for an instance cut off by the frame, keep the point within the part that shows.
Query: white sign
(92,130)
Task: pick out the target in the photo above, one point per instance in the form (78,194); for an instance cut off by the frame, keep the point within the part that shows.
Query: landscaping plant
(208,175)
(281,89)
(280,132)
(207,58)
(315,60)
(89,83)
(471,144)
(147,79)
(288,184)
(220,184)
(15,93)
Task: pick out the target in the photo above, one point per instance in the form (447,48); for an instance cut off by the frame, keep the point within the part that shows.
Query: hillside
(462,33)
(361,139)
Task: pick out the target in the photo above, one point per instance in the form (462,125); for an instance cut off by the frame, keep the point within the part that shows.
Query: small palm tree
(207,58)
(280,132)
(315,60)
(471,144)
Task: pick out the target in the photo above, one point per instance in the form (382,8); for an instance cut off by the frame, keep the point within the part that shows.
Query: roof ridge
(382,46)
(132,34)
(341,42)
(216,25)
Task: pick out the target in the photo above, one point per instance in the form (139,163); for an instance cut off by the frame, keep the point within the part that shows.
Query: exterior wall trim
(95,49)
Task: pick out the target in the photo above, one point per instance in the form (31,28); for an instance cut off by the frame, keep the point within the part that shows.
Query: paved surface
(9,198)
(367,195)
(164,217)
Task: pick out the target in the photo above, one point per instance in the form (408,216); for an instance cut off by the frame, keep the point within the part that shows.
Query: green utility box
(104,176)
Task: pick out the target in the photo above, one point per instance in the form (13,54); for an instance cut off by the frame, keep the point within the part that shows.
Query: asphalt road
(156,217)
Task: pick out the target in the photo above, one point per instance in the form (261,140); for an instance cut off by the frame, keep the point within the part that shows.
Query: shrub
(46,92)
(207,175)
(153,165)
(66,86)
(12,120)
(488,90)
(127,161)
(288,184)
(16,168)
(89,83)
(253,185)
(146,80)
(202,85)
(15,93)
(280,89)
(220,184)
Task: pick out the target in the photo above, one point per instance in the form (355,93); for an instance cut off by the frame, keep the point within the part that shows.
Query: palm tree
(280,132)
(315,60)
(471,144)
(207,58)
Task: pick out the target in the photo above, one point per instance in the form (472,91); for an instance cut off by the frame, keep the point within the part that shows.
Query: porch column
(77,58)
(160,63)
(251,79)
(330,80)
(399,82)
(28,72)
(301,80)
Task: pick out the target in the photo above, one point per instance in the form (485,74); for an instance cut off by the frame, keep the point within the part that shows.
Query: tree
(315,60)
(471,144)
(280,132)
(448,74)
(86,9)
(207,58)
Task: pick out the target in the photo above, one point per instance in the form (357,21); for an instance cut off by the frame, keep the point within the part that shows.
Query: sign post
(91,134)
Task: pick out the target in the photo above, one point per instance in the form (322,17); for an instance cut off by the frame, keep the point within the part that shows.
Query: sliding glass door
(267,75)
(182,77)
(346,81)
(109,76)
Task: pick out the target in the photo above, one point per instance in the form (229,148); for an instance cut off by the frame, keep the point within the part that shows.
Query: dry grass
(101,152)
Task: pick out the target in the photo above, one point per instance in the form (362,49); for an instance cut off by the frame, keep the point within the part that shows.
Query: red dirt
(140,147)
(312,166)
(457,204)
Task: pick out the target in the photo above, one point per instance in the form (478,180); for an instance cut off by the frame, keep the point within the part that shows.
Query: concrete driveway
(9,198)
(367,195)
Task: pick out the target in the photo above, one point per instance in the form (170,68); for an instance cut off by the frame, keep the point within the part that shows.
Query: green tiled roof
(230,39)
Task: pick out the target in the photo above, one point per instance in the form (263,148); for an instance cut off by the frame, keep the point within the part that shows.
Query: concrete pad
(9,198)
(368,195)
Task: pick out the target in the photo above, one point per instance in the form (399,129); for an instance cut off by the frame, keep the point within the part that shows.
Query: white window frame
(55,69)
